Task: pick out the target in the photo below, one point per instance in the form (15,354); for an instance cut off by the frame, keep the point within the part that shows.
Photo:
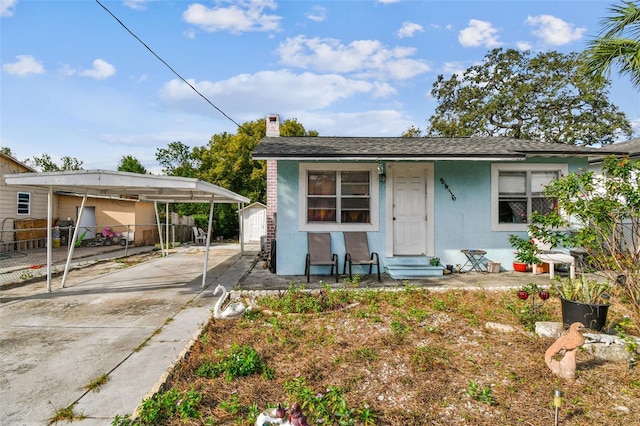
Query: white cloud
(101,70)
(246,15)
(365,57)
(385,122)
(247,96)
(136,4)
(409,29)
(523,45)
(289,90)
(453,68)
(635,126)
(479,33)
(140,79)
(554,31)
(25,65)
(6,7)
(317,14)
(388,1)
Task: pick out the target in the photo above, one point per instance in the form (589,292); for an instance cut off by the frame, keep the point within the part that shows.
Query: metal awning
(134,185)
(166,189)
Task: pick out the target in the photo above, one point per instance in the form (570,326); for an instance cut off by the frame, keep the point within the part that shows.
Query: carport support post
(49,234)
(72,247)
(241,219)
(155,208)
(206,253)
(166,225)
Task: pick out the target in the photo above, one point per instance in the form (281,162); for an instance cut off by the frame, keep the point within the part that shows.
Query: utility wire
(169,66)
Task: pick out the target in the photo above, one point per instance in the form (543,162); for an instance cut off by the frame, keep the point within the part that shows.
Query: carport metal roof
(137,186)
(166,189)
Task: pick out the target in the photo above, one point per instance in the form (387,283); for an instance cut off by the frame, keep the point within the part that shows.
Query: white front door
(409,211)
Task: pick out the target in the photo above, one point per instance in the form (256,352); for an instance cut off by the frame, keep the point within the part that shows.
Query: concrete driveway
(131,324)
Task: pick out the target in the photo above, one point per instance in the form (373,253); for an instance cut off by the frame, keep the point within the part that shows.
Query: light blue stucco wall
(463,223)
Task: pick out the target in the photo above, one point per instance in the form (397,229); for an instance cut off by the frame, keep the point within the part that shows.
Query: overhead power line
(167,65)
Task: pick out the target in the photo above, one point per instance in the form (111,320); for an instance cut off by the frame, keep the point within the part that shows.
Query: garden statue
(561,356)
(276,416)
(231,311)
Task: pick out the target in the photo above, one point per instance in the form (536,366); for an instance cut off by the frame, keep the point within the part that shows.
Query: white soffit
(130,185)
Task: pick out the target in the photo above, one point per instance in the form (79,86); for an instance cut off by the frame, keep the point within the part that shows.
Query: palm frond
(625,18)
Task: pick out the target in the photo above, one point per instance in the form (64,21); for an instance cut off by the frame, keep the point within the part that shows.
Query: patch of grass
(296,300)
(481,394)
(429,358)
(164,406)
(365,355)
(146,341)
(240,361)
(400,330)
(328,406)
(95,385)
(65,413)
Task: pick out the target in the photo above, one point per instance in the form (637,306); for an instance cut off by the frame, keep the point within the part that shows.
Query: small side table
(475,260)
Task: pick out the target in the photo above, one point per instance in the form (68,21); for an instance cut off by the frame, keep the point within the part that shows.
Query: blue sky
(75,83)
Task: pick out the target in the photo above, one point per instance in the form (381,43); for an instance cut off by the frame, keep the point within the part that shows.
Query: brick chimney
(273,126)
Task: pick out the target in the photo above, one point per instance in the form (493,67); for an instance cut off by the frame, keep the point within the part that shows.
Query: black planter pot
(592,316)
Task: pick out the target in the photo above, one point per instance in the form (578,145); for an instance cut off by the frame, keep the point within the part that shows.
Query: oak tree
(512,93)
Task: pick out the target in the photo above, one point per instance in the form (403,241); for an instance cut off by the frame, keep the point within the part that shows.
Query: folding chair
(199,235)
(319,253)
(357,252)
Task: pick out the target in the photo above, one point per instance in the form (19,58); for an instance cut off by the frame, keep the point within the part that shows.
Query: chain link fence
(23,252)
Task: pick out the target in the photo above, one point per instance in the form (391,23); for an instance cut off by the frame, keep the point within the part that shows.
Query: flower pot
(520,267)
(543,268)
(591,315)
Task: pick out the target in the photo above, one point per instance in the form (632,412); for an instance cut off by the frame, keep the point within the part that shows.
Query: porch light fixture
(381,174)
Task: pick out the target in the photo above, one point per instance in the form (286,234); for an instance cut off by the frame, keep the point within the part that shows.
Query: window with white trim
(517,191)
(338,196)
(24,203)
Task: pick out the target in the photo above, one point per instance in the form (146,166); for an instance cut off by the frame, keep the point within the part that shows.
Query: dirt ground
(413,357)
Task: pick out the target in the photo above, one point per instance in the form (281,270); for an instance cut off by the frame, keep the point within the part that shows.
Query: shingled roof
(632,145)
(396,148)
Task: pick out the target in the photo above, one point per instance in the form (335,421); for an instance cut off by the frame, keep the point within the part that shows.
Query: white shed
(254,219)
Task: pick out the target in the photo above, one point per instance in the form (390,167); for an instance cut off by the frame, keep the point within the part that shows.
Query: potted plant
(583,300)
(525,254)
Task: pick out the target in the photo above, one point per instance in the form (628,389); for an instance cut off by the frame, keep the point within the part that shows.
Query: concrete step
(405,272)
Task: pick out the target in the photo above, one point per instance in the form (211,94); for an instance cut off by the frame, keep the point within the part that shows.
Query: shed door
(256,224)
(409,212)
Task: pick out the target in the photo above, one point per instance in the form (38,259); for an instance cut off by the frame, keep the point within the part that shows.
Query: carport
(105,183)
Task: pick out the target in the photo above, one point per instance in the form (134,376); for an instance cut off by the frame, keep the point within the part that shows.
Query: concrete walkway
(133,325)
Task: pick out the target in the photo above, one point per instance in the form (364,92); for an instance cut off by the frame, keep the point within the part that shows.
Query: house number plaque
(444,183)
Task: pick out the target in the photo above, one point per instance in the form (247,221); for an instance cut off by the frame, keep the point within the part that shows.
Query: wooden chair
(357,252)
(319,252)
(199,235)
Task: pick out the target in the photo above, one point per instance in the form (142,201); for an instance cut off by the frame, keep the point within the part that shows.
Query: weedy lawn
(406,356)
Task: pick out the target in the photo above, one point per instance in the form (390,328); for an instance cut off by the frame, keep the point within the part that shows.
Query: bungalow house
(23,210)
(416,198)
